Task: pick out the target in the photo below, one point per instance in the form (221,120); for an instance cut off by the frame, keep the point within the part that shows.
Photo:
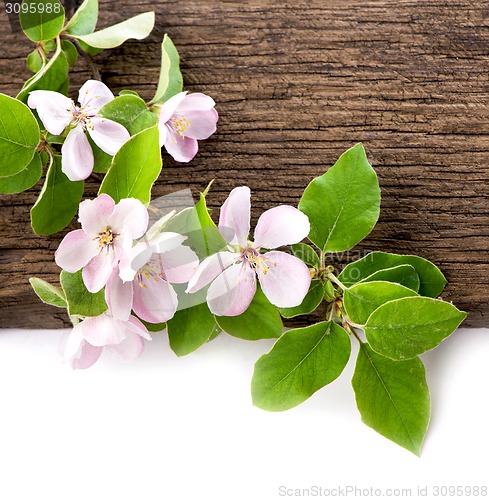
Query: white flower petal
(133,259)
(78,351)
(169,107)
(53,108)
(73,343)
(94,95)
(196,102)
(155,300)
(108,135)
(97,272)
(130,217)
(75,251)
(235,215)
(202,124)
(135,326)
(279,226)
(103,330)
(88,356)
(119,296)
(163,130)
(284,279)
(181,149)
(76,155)
(179,264)
(129,349)
(94,215)
(164,242)
(210,268)
(232,291)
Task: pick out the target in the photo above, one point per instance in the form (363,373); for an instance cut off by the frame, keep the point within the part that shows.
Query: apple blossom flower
(58,112)
(107,232)
(145,273)
(284,279)
(87,340)
(183,120)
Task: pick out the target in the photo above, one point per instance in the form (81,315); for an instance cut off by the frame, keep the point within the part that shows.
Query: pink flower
(108,231)
(87,340)
(283,278)
(183,120)
(58,112)
(146,272)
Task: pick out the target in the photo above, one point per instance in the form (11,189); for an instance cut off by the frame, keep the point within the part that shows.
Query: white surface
(169,428)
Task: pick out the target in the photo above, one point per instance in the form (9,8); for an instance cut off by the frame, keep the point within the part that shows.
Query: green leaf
(89,50)
(131,112)
(260,321)
(363,299)
(203,236)
(137,27)
(101,160)
(404,274)
(171,80)
(49,46)
(215,333)
(25,179)
(52,76)
(57,202)
(84,19)
(310,303)
(19,136)
(153,327)
(210,240)
(34,61)
(188,300)
(56,139)
(80,301)
(300,363)
(330,292)
(48,293)
(393,397)
(135,168)
(129,92)
(404,328)
(190,329)
(43,19)
(44,157)
(306,253)
(432,281)
(70,52)
(343,204)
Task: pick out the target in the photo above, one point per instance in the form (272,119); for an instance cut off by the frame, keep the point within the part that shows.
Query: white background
(170,428)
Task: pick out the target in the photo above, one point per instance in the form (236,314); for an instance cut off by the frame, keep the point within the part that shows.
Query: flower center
(151,270)
(81,116)
(180,125)
(106,237)
(255,260)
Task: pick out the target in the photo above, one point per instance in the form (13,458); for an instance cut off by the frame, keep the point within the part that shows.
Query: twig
(93,67)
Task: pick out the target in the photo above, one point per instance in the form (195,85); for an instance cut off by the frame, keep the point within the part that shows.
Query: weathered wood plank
(296,84)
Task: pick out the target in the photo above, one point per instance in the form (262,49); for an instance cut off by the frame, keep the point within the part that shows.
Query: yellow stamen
(106,237)
(180,124)
(256,261)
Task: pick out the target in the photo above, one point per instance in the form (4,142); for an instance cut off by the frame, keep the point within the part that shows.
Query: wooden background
(296,84)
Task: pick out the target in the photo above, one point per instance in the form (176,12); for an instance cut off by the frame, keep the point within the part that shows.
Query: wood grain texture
(296,84)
